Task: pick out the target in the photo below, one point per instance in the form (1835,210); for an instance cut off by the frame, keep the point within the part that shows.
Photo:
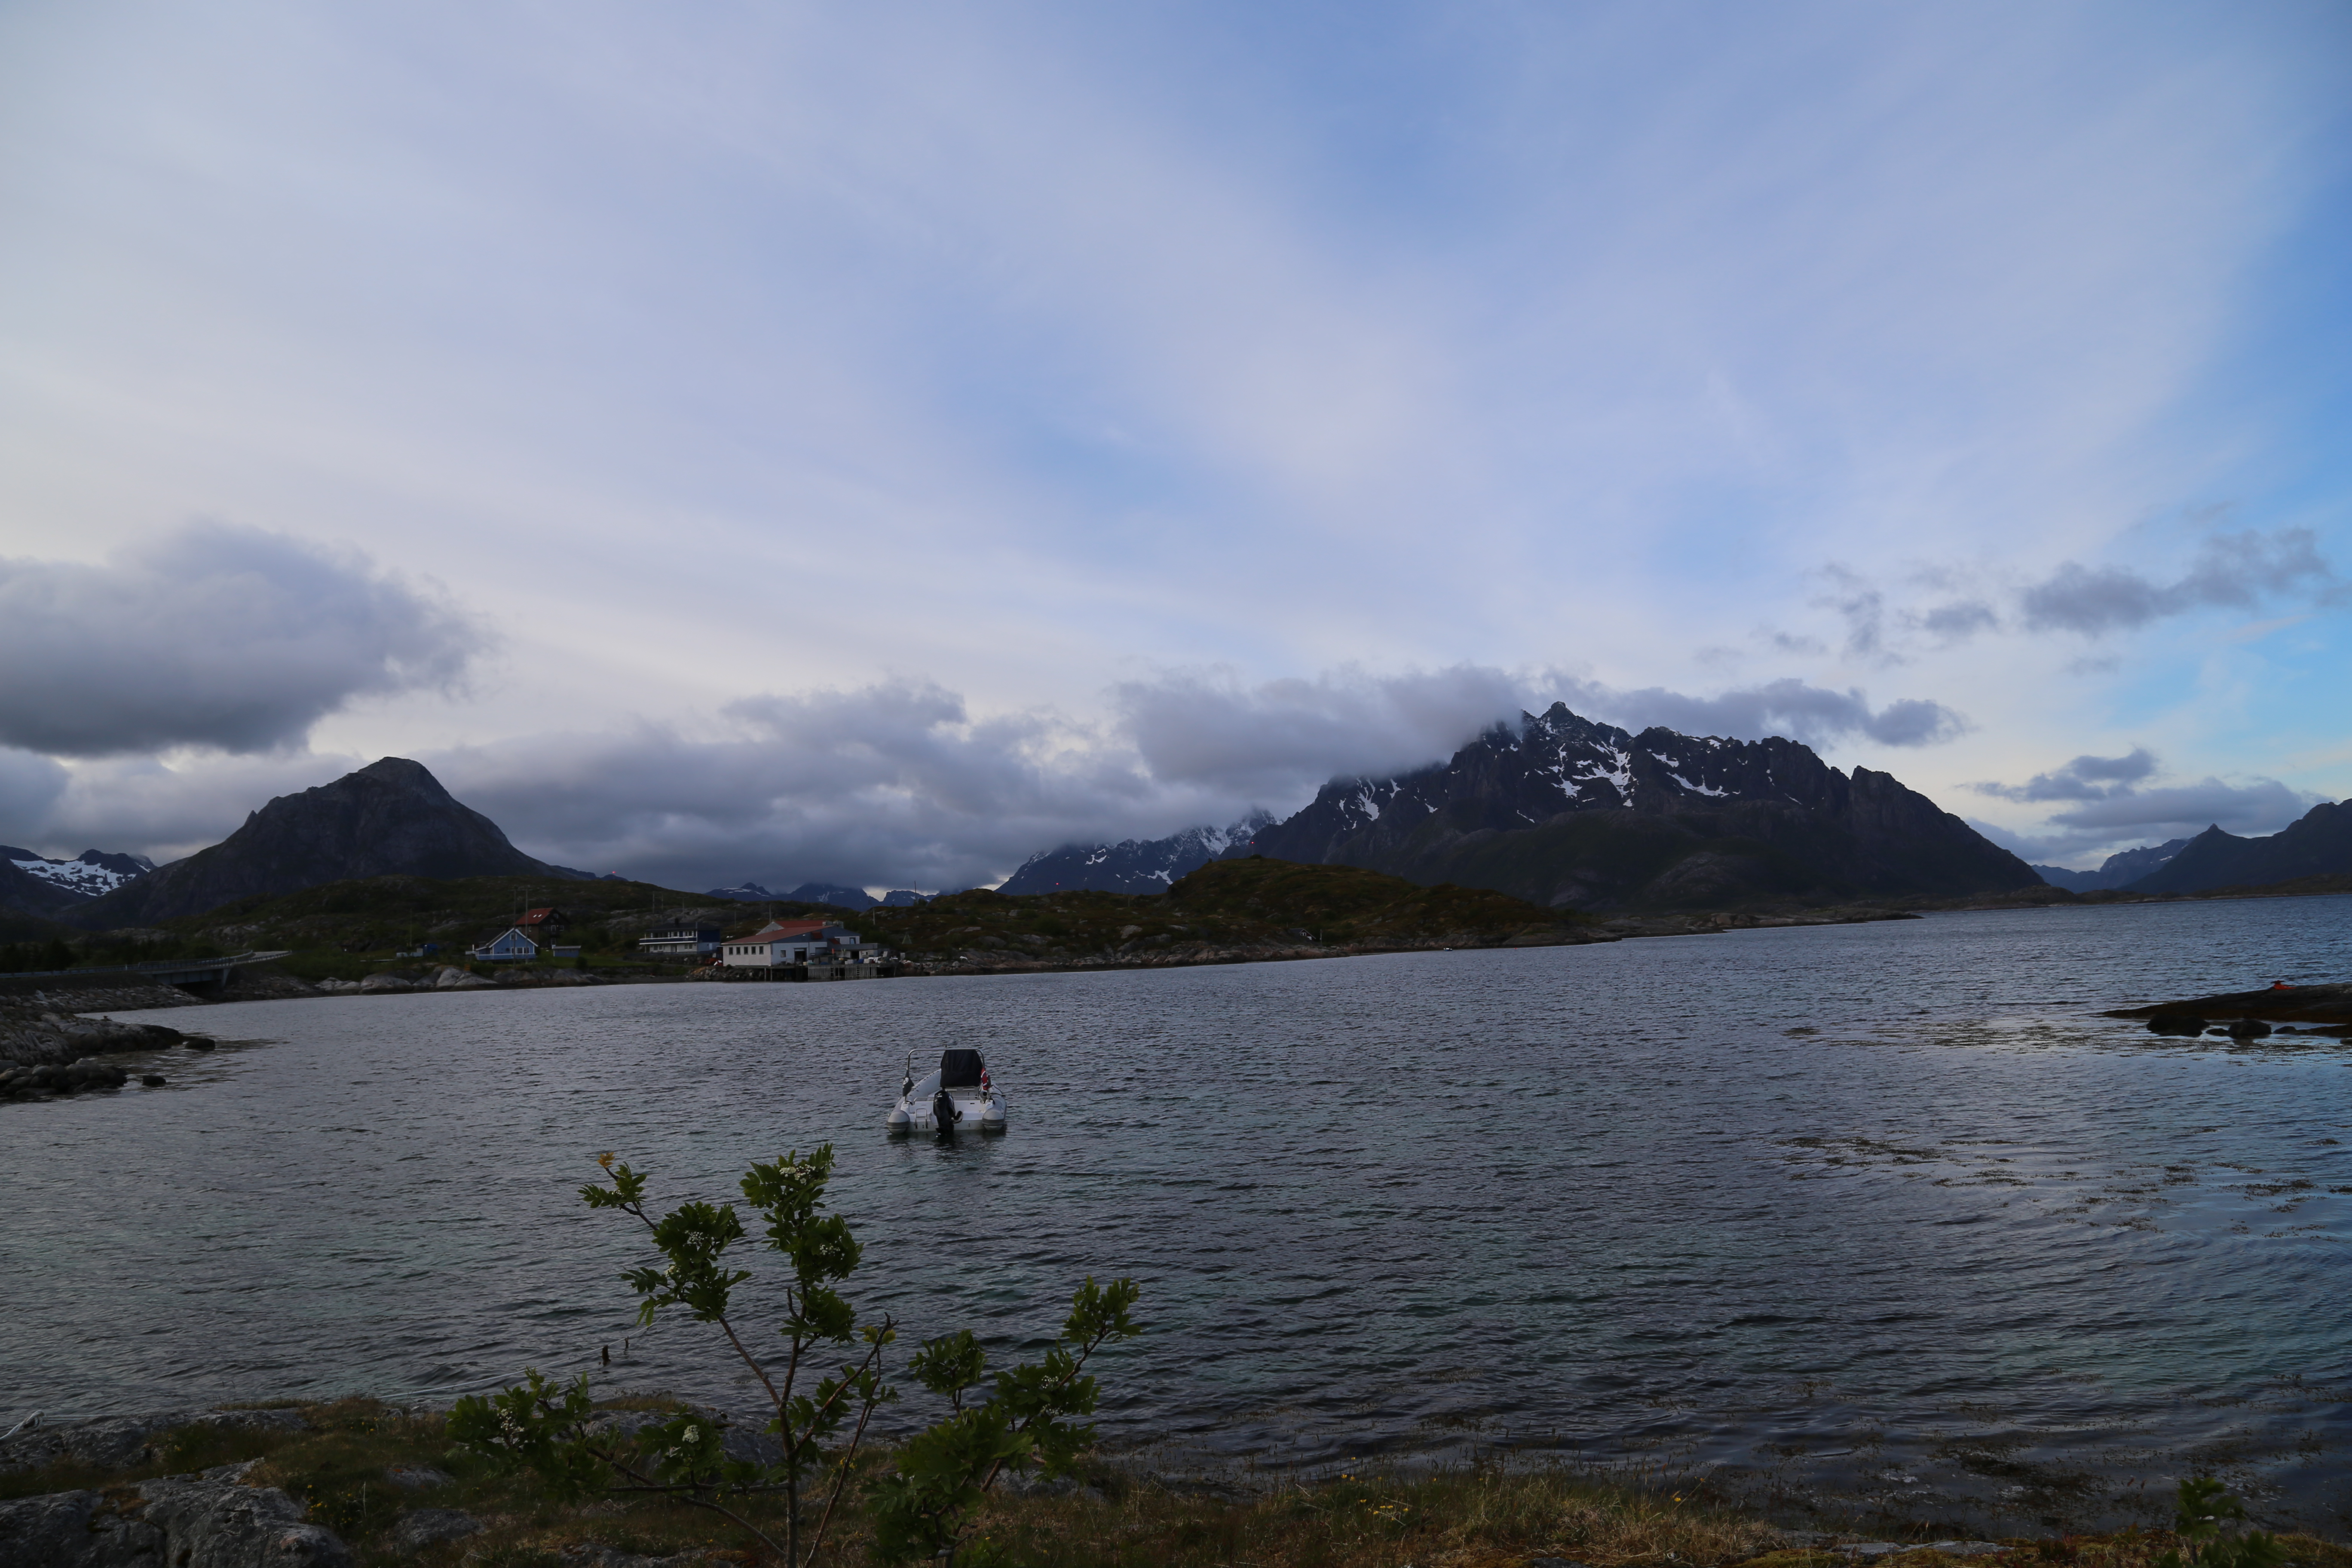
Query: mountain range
(1567,813)
(2317,844)
(91,873)
(1552,808)
(1134,864)
(833,893)
(390,819)
(2115,871)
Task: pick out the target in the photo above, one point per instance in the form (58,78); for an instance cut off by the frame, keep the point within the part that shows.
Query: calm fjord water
(1966,1249)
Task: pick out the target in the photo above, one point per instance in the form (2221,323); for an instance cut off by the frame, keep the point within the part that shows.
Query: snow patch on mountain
(91,873)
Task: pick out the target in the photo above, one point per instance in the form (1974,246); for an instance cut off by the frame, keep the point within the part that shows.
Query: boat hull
(983,1115)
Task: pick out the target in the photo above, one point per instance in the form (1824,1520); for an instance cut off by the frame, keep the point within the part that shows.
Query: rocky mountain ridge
(1566,812)
(92,873)
(1570,813)
(835,894)
(2118,870)
(1134,864)
(389,818)
(2319,844)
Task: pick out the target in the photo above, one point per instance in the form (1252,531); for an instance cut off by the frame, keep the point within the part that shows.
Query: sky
(874,444)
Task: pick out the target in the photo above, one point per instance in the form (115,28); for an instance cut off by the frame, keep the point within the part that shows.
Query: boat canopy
(960,1069)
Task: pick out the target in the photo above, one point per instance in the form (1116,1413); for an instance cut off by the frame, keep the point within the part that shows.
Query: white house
(510,946)
(681,941)
(788,942)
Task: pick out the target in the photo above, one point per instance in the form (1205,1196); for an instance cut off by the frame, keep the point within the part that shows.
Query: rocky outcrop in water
(55,1039)
(2328,1004)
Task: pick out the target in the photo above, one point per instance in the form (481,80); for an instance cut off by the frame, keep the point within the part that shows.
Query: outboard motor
(944,1113)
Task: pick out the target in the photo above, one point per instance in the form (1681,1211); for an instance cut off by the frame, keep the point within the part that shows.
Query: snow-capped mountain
(1133,865)
(751,892)
(1560,810)
(747,890)
(2116,870)
(89,874)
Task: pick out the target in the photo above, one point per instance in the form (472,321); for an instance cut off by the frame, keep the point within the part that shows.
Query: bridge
(187,972)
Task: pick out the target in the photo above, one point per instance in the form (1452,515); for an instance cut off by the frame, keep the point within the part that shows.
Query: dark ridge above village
(1550,829)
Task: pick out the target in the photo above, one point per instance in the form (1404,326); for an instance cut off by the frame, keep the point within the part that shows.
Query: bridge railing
(153,966)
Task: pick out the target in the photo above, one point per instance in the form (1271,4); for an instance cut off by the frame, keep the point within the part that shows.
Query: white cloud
(2240,569)
(1036,346)
(2107,804)
(1790,707)
(210,636)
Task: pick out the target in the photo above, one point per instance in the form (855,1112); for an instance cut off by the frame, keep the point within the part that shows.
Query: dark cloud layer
(214,636)
(898,783)
(2239,571)
(2106,803)
(2084,778)
(895,783)
(2245,569)
(1813,714)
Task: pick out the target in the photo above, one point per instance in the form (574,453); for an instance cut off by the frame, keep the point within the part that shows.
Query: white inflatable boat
(957,1098)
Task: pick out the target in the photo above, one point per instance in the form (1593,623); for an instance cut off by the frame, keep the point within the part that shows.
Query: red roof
(788,930)
(536,917)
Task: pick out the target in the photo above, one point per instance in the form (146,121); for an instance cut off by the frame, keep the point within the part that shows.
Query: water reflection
(1964,1246)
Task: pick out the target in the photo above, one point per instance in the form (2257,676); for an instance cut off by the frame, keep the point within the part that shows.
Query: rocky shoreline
(48,1053)
(356,1482)
(2251,1015)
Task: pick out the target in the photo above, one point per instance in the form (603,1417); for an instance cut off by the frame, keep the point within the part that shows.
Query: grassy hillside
(377,916)
(347,929)
(1225,904)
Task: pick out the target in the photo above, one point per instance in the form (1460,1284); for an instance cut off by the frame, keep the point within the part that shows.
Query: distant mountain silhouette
(22,892)
(2317,844)
(1567,813)
(1132,865)
(390,819)
(833,893)
(87,875)
(2115,870)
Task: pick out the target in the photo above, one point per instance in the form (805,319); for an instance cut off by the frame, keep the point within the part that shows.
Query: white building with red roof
(783,943)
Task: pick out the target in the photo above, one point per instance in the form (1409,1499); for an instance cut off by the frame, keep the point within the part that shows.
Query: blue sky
(873,444)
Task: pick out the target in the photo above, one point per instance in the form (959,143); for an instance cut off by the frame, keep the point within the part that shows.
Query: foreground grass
(1459,1518)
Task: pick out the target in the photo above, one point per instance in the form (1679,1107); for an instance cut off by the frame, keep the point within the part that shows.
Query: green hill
(1225,905)
(374,916)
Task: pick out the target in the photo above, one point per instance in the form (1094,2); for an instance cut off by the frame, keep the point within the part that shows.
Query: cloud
(1212,728)
(214,636)
(2243,570)
(29,787)
(167,811)
(893,783)
(2084,778)
(2238,570)
(2107,806)
(1816,715)
(898,783)
(2264,807)
(1278,738)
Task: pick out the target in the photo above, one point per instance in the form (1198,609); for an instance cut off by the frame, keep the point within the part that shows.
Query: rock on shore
(209,1518)
(2325,1005)
(44,1055)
